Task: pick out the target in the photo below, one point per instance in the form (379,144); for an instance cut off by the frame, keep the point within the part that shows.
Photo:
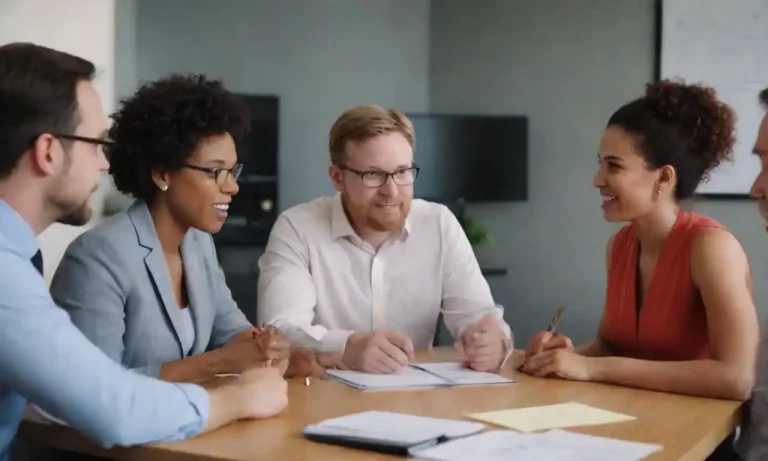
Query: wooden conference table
(688,428)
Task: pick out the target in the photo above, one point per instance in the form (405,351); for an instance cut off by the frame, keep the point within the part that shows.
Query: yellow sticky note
(550,417)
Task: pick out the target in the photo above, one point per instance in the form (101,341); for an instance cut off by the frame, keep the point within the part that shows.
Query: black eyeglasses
(100,142)
(97,141)
(219,174)
(375,178)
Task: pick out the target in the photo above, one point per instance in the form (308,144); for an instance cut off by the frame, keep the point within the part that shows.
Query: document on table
(551,416)
(556,444)
(419,375)
(388,431)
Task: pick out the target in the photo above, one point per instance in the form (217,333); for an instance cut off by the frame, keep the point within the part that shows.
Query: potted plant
(477,233)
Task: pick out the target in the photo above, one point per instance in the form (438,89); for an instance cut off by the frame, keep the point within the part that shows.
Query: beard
(77,217)
(74,213)
(376,218)
(387,221)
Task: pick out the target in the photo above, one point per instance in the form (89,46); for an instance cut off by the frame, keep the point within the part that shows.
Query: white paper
(400,427)
(458,374)
(555,445)
(414,376)
(407,377)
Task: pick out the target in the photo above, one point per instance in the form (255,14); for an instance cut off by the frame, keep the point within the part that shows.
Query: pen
(556,319)
(552,327)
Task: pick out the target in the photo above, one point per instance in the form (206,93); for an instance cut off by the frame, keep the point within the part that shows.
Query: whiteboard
(724,44)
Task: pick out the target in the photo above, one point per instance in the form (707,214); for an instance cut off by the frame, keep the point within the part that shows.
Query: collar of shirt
(341,227)
(17,231)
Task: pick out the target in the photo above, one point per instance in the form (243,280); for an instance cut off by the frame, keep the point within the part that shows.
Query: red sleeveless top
(671,324)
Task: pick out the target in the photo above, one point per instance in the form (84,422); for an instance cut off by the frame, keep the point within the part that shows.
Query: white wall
(82,27)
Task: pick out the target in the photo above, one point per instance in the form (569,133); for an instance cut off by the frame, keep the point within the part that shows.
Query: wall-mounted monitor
(254,209)
(471,158)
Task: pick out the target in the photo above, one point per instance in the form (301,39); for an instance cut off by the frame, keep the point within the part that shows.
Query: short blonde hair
(361,123)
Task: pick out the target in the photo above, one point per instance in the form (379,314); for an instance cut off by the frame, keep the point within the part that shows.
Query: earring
(658,191)
(164,188)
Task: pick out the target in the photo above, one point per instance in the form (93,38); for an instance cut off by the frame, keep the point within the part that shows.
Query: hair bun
(705,122)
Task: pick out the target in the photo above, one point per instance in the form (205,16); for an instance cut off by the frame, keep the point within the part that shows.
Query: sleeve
(90,285)
(286,292)
(46,359)
(229,319)
(466,294)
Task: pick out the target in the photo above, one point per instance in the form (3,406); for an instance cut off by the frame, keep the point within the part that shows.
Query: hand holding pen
(549,338)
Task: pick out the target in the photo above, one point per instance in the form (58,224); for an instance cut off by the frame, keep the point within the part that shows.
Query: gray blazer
(115,284)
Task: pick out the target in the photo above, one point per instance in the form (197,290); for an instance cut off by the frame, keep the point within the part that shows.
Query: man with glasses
(51,131)
(362,277)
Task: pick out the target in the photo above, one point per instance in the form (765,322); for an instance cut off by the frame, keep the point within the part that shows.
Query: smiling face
(629,188)
(760,186)
(196,198)
(376,208)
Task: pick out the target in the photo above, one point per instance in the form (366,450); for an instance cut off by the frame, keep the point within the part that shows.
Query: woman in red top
(679,315)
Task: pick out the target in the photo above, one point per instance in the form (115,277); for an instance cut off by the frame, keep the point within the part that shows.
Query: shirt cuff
(201,401)
(335,341)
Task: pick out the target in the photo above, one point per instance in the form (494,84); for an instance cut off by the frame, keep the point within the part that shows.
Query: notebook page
(459,374)
(407,377)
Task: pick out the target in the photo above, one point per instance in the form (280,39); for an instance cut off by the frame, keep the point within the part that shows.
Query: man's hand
(483,346)
(381,351)
(545,340)
(262,392)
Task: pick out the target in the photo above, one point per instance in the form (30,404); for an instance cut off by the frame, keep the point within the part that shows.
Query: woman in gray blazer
(145,286)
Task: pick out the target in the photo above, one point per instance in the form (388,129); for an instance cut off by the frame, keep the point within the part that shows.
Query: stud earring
(658,191)
(164,188)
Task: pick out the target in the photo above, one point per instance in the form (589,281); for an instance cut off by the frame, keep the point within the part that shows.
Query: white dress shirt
(319,282)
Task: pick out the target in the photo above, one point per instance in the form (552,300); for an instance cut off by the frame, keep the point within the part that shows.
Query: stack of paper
(553,445)
(418,376)
(570,414)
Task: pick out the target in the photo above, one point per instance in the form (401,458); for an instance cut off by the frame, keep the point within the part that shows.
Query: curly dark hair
(681,125)
(160,127)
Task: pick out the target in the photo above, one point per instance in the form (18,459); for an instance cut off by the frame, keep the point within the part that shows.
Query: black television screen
(475,158)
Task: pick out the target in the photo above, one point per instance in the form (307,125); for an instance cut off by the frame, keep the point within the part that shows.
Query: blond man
(362,276)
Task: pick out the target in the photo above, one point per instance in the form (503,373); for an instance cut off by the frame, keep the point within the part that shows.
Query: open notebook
(416,375)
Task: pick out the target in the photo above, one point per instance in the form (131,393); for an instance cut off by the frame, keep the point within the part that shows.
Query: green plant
(476,232)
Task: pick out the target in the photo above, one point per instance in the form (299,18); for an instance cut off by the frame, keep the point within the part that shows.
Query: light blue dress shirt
(46,360)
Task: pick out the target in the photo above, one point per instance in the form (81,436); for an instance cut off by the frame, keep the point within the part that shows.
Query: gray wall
(320,57)
(567,65)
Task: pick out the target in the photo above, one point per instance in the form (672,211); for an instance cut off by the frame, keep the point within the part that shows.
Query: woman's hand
(545,340)
(560,362)
(303,363)
(255,348)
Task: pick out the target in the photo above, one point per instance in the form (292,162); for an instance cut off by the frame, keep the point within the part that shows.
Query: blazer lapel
(197,292)
(156,266)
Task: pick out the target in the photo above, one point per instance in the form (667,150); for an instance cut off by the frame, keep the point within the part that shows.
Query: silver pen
(556,319)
